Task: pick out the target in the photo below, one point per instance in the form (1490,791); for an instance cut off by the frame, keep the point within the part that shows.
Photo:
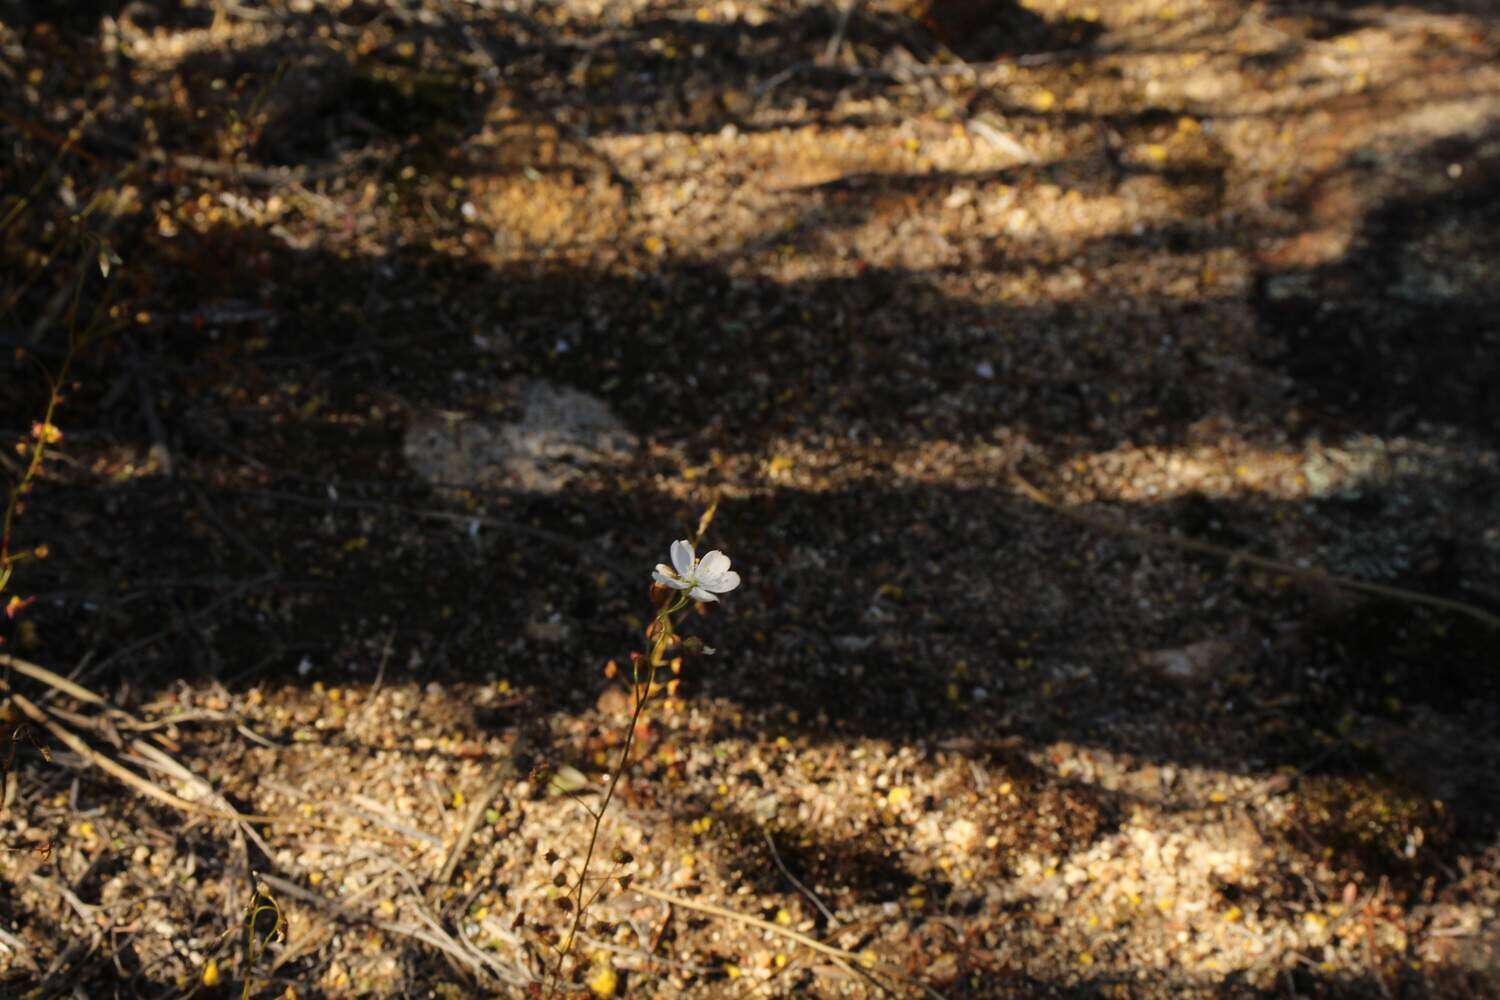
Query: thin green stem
(642,693)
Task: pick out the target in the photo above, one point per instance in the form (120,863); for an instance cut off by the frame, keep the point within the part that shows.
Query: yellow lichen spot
(953,691)
(1156,153)
(1233,914)
(1044,100)
(1005,788)
(1084,958)
(911,145)
(210,976)
(458,800)
(898,796)
(604,981)
(868,959)
(783,742)
(784,917)
(654,245)
(732,971)
(781,959)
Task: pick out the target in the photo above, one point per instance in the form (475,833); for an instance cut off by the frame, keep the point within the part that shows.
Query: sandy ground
(1098,401)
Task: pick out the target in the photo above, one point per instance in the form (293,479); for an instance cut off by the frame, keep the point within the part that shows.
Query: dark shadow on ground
(1322,21)
(1398,332)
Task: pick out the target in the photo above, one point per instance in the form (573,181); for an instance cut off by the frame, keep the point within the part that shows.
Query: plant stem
(642,697)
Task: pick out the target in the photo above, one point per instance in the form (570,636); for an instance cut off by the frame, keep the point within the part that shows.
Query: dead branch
(1232,556)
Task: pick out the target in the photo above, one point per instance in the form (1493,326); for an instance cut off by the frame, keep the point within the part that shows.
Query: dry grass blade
(159,760)
(844,958)
(55,681)
(433,934)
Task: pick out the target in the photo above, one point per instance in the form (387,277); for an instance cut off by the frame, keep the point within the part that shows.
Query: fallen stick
(1238,556)
(128,777)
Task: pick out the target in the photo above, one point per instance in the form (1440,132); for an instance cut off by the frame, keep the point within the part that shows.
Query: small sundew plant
(264,925)
(675,587)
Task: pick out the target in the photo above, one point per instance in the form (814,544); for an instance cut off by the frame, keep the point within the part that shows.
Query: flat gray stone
(546,437)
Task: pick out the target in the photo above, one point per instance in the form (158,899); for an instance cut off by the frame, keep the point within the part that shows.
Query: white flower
(702,578)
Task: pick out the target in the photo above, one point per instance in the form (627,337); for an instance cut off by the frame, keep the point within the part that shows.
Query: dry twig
(128,777)
(505,771)
(1232,556)
(811,896)
(846,960)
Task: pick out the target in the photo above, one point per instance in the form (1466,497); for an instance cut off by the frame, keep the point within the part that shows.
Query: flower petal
(700,594)
(670,581)
(682,556)
(712,565)
(723,584)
